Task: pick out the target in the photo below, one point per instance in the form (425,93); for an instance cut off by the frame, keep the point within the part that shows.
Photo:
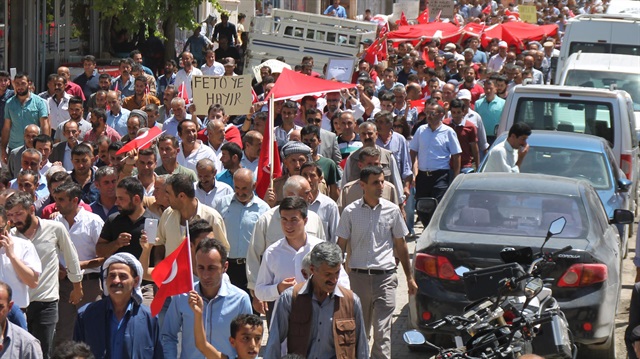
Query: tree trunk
(169,29)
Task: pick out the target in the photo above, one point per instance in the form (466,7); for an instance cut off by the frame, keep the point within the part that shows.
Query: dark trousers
(92,288)
(431,184)
(237,272)
(41,320)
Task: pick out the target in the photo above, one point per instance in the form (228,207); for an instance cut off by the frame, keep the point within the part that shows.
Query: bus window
(331,37)
(310,34)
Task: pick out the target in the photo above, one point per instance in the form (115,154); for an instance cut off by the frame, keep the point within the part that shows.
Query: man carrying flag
(110,325)
(222,300)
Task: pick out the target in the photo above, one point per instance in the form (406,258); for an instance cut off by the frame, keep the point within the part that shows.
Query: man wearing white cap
(451,48)
(496,61)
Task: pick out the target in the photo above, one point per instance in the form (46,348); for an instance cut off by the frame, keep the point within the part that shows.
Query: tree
(132,15)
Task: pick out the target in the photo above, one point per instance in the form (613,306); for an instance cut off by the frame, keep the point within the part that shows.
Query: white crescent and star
(174,272)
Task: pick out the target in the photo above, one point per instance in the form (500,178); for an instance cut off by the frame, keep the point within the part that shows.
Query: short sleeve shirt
(22,115)
(120,223)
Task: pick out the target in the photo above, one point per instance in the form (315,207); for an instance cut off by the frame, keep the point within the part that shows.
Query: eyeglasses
(432,113)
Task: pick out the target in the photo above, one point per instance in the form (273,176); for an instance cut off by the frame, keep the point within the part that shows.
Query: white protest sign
(340,69)
(231,92)
(446,6)
(410,8)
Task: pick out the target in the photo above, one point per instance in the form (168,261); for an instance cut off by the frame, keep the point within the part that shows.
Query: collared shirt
(217,69)
(170,125)
(467,134)
(339,11)
(183,77)
(120,223)
(282,135)
(397,144)
(267,231)
(239,219)
(89,191)
(220,189)
(217,313)
(117,329)
(58,111)
(434,148)
(162,83)
(83,125)
(352,192)
(42,191)
(196,155)
(19,344)
(160,170)
(102,211)
(371,231)
(321,334)
(22,115)
(118,121)
(130,103)
(502,158)
(89,84)
(3,101)
(482,134)
(84,234)
(50,239)
(327,209)
(490,113)
(171,232)
(225,177)
(251,165)
(112,134)
(126,89)
(66,159)
(411,113)
(495,63)
(26,253)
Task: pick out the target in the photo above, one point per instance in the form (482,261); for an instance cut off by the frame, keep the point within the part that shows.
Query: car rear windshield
(511,213)
(604,48)
(560,114)
(604,80)
(564,162)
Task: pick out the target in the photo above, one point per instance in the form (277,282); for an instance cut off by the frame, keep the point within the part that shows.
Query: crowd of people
(77,262)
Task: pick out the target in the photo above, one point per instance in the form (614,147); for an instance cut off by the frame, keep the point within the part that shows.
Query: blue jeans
(410,210)
(16,317)
(41,320)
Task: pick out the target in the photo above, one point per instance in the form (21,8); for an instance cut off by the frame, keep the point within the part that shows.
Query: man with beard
(51,241)
(186,73)
(76,114)
(89,79)
(165,110)
(166,79)
(207,188)
(111,324)
(83,171)
(84,230)
(191,149)
(215,138)
(140,98)
(104,84)
(106,178)
(58,103)
(124,82)
(99,127)
(240,211)
(294,155)
(20,111)
(471,85)
(231,157)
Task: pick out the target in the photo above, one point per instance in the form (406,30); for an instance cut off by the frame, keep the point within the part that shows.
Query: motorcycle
(513,313)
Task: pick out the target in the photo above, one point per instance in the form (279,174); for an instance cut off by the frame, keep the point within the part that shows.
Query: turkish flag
(403,20)
(376,52)
(141,142)
(423,18)
(417,104)
(487,10)
(182,92)
(264,167)
(254,97)
(383,30)
(172,275)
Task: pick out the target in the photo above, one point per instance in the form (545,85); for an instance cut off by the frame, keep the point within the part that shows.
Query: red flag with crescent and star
(141,142)
(264,167)
(173,276)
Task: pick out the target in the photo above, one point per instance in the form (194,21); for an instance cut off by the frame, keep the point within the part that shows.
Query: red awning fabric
(293,85)
(446,31)
(514,33)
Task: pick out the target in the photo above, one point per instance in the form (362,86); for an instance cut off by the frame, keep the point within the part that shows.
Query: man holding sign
(231,92)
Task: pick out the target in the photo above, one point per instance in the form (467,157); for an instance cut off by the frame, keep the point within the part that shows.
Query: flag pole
(271,139)
(189,249)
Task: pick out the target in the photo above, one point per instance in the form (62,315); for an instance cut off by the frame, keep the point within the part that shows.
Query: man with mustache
(51,239)
(317,298)
(240,212)
(99,127)
(119,325)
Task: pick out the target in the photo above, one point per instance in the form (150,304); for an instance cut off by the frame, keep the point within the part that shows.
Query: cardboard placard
(231,92)
(340,69)
(528,13)
(446,6)
(410,8)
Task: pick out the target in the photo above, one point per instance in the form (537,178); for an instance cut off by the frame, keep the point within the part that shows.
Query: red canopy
(291,84)
(446,31)
(514,33)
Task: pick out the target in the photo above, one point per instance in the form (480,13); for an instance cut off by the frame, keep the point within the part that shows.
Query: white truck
(294,34)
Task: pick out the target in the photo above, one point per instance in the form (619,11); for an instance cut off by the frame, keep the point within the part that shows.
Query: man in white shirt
(211,67)
(496,61)
(186,73)
(207,188)
(84,229)
(321,204)
(58,103)
(508,155)
(191,149)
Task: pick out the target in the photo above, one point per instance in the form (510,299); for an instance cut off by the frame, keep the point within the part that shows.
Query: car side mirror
(624,185)
(622,216)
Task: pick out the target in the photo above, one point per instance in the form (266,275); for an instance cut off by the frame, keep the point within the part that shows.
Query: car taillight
(626,165)
(435,266)
(582,275)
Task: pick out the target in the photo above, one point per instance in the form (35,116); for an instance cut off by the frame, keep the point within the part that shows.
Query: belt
(90,276)
(430,173)
(374,271)
(238,261)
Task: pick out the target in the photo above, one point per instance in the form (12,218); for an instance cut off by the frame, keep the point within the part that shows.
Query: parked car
(484,213)
(584,157)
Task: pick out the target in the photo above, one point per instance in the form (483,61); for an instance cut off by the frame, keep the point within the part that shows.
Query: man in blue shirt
(89,79)
(335,9)
(222,303)
(119,326)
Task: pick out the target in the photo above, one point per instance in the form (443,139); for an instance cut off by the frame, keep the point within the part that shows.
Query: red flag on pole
(141,142)
(383,30)
(269,150)
(487,10)
(173,275)
(376,52)
(403,20)
(254,97)
(438,17)
(423,18)
(182,92)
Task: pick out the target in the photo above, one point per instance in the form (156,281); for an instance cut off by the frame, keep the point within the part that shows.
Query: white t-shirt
(26,252)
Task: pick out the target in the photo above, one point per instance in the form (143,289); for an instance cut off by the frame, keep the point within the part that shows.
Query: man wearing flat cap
(294,155)
(119,326)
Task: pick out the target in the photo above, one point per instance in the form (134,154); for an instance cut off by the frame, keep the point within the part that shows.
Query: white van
(294,34)
(605,71)
(600,33)
(603,113)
